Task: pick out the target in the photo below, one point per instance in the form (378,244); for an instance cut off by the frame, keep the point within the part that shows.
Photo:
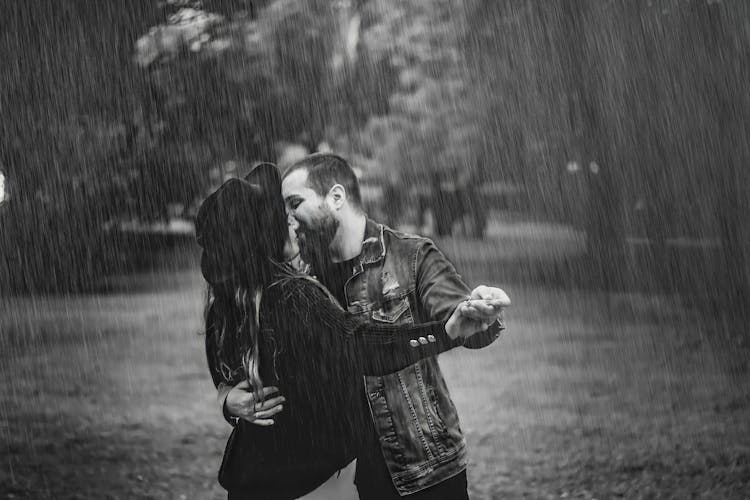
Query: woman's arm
(235,397)
(374,348)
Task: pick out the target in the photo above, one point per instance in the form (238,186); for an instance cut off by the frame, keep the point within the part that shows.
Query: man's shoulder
(394,242)
(404,237)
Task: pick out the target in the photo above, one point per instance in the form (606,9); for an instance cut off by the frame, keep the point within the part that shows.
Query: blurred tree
(66,85)
(425,124)
(584,72)
(245,81)
(118,112)
(727,33)
(425,137)
(95,139)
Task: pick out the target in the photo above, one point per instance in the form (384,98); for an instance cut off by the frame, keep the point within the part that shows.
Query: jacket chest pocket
(394,311)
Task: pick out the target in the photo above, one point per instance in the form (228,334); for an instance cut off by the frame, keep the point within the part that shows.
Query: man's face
(317,224)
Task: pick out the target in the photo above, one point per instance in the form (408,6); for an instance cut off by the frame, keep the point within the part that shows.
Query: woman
(268,325)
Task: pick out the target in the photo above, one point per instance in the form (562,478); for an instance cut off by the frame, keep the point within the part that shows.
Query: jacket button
(422,340)
(431,338)
(414,343)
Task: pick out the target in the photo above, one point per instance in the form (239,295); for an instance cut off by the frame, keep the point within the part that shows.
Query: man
(415,444)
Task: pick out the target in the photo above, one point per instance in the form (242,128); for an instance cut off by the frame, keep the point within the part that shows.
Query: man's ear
(337,196)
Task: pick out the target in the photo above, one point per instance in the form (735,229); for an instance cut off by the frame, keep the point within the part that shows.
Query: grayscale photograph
(374,249)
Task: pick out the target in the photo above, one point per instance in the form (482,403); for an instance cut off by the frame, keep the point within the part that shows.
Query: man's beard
(315,241)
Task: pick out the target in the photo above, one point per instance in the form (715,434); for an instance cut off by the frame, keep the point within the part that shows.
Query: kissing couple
(323,329)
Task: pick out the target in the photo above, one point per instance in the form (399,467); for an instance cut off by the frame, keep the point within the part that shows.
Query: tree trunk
(583,81)
(730,78)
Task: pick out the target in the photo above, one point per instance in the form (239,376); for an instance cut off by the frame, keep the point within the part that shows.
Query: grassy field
(587,396)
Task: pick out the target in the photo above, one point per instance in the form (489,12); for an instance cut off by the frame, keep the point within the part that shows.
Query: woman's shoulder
(293,301)
(295,288)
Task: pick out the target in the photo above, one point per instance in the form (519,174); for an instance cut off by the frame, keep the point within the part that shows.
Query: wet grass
(590,401)
(587,396)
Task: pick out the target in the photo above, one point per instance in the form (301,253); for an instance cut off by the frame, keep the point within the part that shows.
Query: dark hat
(241,224)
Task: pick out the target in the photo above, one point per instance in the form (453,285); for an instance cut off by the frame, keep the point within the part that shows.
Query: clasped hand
(485,306)
(241,402)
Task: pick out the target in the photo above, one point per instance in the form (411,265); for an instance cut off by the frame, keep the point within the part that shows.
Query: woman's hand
(242,403)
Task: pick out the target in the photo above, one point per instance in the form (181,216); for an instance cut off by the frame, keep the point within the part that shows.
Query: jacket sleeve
(372,348)
(440,289)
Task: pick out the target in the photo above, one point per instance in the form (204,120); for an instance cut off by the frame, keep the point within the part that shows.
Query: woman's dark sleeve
(373,348)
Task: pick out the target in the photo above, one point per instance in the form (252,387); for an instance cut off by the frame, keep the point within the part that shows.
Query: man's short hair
(324,170)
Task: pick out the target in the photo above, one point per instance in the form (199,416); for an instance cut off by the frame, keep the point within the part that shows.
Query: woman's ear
(337,196)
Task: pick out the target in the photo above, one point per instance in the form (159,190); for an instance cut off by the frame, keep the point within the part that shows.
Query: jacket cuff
(487,337)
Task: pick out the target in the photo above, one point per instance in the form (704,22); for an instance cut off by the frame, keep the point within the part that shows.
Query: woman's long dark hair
(233,320)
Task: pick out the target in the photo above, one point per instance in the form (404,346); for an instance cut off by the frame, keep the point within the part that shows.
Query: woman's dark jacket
(316,354)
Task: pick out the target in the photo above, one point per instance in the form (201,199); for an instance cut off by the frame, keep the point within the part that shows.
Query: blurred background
(590,157)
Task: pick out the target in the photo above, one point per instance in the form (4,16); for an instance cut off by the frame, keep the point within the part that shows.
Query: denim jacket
(405,279)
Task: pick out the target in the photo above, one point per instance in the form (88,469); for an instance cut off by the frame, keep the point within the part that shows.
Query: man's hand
(485,305)
(242,403)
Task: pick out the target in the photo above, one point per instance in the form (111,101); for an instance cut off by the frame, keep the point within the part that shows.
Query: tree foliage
(118,113)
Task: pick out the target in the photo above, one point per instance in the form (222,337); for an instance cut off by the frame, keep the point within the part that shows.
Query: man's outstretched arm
(441,289)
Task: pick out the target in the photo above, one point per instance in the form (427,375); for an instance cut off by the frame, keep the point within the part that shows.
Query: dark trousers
(374,483)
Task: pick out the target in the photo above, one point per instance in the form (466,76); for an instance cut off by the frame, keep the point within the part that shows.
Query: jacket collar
(373,246)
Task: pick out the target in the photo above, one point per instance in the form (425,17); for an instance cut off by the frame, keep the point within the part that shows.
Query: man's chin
(305,252)
(313,256)
(315,247)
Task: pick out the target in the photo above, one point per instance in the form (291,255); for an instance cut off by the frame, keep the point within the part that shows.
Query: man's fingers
(491,294)
(482,318)
(264,422)
(473,327)
(482,292)
(499,301)
(269,403)
(265,414)
(484,315)
(243,385)
(481,306)
(470,312)
(267,391)
(496,302)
